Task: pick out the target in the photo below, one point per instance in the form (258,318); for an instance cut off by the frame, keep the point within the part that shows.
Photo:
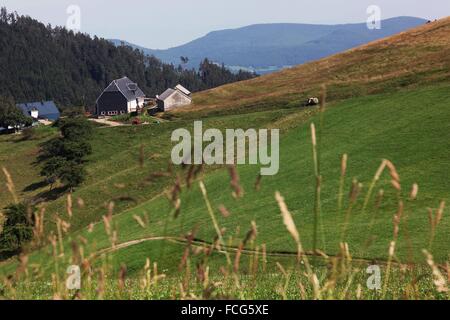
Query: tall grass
(205,271)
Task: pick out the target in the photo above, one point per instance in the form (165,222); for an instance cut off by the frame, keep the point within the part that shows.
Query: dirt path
(107,122)
(200,244)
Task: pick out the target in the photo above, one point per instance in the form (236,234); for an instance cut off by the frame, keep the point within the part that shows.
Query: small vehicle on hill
(311,102)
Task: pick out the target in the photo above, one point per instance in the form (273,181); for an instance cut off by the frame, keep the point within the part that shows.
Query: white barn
(174,98)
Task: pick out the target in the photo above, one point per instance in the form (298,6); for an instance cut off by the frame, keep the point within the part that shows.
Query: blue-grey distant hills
(269,47)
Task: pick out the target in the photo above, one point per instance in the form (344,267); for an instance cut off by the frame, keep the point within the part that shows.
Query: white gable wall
(34,114)
(141,102)
(176,100)
(132,106)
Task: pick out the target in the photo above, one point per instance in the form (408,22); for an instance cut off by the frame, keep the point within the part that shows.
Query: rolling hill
(386,100)
(407,60)
(269,47)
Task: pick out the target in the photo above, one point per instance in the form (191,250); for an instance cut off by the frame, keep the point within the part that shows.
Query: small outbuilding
(174,98)
(45,110)
(120,97)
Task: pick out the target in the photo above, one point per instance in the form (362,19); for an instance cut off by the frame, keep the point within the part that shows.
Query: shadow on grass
(51,194)
(126,199)
(35,186)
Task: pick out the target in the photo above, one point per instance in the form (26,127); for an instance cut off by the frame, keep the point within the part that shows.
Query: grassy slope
(18,157)
(416,141)
(114,169)
(416,57)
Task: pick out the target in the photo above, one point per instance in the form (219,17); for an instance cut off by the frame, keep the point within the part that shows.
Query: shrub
(17,229)
(64,156)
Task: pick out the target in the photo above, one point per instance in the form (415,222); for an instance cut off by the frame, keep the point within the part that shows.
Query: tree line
(11,116)
(41,62)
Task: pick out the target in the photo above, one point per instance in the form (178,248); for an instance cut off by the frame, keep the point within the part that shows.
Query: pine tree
(51,63)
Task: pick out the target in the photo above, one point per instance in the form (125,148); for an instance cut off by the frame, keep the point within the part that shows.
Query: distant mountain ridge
(274,46)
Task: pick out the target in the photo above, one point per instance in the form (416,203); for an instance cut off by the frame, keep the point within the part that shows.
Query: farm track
(112,124)
(231,249)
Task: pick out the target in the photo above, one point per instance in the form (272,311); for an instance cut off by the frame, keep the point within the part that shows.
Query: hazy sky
(165,23)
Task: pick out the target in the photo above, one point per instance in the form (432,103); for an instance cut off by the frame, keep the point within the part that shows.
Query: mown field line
(231,249)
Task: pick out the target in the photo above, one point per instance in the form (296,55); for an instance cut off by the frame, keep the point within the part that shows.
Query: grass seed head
(224,211)
(393,171)
(440,212)
(69,205)
(287,218)
(344,164)
(313,135)
(235,182)
(438,278)
(414,191)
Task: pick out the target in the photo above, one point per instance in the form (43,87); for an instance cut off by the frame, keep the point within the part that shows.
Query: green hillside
(364,129)
(135,206)
(120,169)
(416,142)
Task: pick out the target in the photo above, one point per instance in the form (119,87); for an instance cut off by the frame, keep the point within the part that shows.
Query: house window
(122,112)
(102,113)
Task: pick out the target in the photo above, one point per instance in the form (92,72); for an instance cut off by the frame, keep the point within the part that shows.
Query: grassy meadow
(363,180)
(142,229)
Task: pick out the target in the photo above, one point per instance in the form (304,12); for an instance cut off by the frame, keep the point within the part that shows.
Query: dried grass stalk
(414,191)
(235,182)
(438,279)
(10,185)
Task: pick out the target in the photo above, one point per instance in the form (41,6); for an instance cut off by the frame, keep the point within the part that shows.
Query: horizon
(150,30)
(264,24)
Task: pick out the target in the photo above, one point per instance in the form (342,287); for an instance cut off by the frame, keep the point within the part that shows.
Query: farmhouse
(46,110)
(121,96)
(174,98)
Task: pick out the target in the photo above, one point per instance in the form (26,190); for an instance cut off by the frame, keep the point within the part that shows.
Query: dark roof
(47,109)
(166,94)
(128,88)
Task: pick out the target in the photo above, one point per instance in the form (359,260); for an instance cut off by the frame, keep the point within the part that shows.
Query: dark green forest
(40,62)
